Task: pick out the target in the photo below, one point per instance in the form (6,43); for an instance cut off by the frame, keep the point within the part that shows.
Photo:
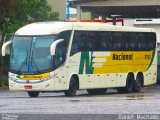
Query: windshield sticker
(34,77)
(24,38)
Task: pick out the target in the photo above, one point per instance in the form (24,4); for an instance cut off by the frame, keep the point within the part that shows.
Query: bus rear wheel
(129,83)
(33,94)
(138,83)
(97,91)
(72,88)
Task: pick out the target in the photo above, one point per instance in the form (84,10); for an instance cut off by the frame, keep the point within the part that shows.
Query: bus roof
(49,28)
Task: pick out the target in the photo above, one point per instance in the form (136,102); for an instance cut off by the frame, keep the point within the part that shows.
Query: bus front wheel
(72,88)
(33,94)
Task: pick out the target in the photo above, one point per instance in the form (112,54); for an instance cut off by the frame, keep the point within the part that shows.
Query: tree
(20,13)
(6,5)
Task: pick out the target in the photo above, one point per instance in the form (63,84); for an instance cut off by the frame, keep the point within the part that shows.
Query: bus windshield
(31,54)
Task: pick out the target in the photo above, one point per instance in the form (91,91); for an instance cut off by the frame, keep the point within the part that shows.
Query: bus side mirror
(53,46)
(4,47)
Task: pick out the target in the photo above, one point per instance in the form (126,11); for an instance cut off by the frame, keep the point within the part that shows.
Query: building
(59,6)
(138,13)
(117,8)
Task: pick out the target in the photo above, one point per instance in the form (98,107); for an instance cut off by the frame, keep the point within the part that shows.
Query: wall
(59,6)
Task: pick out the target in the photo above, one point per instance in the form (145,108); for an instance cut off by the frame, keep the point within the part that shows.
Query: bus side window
(61,49)
(58,57)
(103,41)
(118,41)
(142,45)
(131,42)
(116,37)
(78,44)
(151,38)
(110,42)
(91,41)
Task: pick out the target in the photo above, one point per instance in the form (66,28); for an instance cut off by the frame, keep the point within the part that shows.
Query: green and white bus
(67,56)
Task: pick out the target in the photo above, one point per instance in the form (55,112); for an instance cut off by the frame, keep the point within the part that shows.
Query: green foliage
(3,81)
(10,23)
(38,10)
(24,12)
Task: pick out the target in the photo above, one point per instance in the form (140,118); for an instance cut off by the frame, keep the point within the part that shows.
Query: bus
(68,56)
(158,67)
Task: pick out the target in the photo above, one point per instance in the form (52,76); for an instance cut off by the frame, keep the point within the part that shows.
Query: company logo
(122,57)
(86,63)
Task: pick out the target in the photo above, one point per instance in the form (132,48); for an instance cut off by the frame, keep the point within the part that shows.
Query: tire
(138,83)
(72,88)
(97,91)
(129,84)
(121,90)
(33,94)
(158,82)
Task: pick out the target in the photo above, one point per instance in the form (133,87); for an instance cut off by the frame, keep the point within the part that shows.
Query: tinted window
(91,41)
(131,42)
(61,48)
(78,43)
(142,41)
(151,43)
(118,41)
(112,41)
(103,41)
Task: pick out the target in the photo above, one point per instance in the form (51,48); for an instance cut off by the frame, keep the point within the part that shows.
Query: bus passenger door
(60,81)
(60,69)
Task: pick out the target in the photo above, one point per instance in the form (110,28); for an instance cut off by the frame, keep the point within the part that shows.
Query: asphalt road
(146,102)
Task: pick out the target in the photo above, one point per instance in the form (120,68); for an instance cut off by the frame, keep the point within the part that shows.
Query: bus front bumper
(43,86)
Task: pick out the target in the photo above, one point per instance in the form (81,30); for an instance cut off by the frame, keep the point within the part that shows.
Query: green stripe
(86,61)
(153,55)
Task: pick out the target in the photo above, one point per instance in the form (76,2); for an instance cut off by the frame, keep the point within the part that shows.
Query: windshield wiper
(25,61)
(31,59)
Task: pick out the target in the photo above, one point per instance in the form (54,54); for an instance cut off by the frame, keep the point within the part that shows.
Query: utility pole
(67,10)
